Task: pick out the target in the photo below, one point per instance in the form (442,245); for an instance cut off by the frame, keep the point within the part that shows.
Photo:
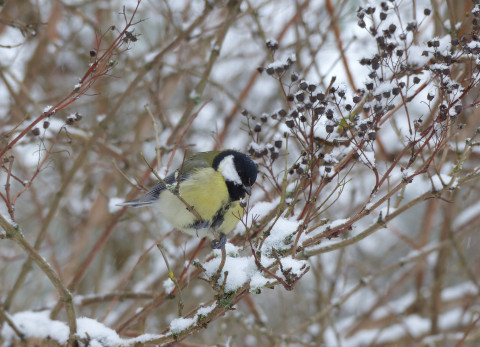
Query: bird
(204,194)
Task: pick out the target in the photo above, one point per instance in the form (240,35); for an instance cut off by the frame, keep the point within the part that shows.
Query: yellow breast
(206,191)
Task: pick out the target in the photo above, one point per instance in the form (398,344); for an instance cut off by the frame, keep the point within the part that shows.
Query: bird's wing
(197,161)
(154,193)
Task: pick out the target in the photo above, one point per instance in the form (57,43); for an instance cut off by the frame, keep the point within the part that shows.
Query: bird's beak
(247,189)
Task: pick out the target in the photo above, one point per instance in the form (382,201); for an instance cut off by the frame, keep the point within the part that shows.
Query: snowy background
(362,228)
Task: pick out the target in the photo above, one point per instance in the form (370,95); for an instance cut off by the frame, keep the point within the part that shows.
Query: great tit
(209,185)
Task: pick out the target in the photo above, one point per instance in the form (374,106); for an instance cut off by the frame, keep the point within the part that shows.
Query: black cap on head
(246,169)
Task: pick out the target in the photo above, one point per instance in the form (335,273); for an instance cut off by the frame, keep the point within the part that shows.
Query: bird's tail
(145,200)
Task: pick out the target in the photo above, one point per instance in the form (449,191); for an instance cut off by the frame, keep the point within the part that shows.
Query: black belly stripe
(217,220)
(220,216)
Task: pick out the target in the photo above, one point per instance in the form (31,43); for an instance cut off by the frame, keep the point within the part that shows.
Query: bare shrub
(364,124)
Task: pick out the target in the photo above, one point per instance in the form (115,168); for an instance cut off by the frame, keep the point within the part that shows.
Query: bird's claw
(219,244)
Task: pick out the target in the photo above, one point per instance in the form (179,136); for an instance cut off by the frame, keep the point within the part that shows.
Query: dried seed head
(300,96)
(290,123)
(272,44)
(35,131)
(46,124)
(412,26)
(319,110)
(360,12)
(329,113)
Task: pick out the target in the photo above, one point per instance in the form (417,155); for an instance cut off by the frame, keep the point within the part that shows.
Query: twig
(4,316)
(172,277)
(14,233)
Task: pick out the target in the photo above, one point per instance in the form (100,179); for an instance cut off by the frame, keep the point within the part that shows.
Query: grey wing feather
(154,193)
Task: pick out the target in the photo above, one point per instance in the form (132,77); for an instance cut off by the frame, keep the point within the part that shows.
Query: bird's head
(239,172)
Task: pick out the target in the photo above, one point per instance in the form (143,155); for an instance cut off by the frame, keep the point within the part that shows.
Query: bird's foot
(219,244)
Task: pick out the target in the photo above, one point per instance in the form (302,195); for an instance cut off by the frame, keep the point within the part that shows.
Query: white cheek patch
(228,171)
